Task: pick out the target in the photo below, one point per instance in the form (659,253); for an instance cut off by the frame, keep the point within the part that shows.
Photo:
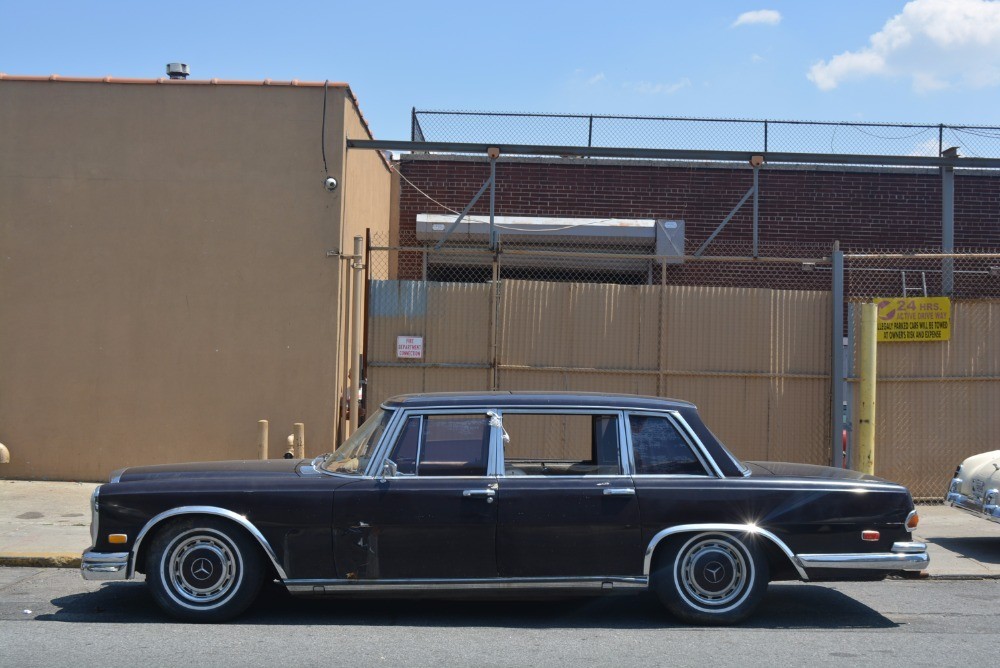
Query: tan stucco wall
(164,281)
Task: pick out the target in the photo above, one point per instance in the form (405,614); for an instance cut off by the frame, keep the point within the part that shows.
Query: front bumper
(988,509)
(903,557)
(104,565)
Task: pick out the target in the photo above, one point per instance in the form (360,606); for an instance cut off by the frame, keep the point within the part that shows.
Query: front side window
(443,445)
(354,453)
(658,448)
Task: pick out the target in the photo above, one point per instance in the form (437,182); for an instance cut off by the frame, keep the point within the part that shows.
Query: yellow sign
(914,319)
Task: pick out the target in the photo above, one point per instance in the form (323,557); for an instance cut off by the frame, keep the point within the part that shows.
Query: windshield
(353,455)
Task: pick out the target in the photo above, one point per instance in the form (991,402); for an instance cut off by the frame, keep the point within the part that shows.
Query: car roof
(540,399)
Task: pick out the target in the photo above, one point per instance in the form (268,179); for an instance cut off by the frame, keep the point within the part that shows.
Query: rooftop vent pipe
(178,70)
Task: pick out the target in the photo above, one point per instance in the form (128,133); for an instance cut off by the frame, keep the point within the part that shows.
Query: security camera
(330,183)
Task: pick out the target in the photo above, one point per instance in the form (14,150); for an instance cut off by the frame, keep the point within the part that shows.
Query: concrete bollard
(261,439)
(4,454)
(299,432)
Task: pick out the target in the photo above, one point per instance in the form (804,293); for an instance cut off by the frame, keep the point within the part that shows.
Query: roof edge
(173,82)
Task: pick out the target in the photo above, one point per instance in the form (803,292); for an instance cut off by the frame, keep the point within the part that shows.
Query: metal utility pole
(837,357)
(948,223)
(358,266)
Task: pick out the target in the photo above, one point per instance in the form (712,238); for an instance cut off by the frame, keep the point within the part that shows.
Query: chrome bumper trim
(417,585)
(989,511)
(104,565)
(905,556)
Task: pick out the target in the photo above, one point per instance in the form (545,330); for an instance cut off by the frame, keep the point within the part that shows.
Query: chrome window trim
(394,415)
(751,529)
(697,447)
(547,410)
(400,585)
(203,510)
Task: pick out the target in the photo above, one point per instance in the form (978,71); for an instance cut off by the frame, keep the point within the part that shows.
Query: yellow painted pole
(864,459)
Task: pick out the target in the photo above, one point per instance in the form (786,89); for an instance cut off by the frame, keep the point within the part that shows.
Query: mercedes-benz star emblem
(714,572)
(201,569)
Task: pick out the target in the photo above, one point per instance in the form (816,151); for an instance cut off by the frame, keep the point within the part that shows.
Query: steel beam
(725,221)
(466,210)
(947,229)
(674,154)
(756,205)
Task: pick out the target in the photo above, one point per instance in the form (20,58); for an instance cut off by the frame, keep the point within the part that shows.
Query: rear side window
(443,445)
(552,444)
(658,448)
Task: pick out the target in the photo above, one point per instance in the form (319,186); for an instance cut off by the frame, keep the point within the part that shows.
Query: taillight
(912,520)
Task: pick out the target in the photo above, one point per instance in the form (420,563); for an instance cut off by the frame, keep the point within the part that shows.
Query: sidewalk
(48,524)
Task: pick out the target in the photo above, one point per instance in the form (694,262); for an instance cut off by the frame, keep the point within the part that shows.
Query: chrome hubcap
(713,572)
(202,569)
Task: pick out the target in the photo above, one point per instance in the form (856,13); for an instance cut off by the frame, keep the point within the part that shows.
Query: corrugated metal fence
(748,340)
(755,360)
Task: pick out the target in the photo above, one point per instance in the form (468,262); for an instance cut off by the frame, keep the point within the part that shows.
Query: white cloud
(596,79)
(650,88)
(768,17)
(757,58)
(935,44)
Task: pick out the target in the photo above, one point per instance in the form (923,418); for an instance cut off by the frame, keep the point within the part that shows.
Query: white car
(976,486)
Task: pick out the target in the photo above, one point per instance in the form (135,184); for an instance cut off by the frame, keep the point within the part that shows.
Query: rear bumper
(104,565)
(989,509)
(903,557)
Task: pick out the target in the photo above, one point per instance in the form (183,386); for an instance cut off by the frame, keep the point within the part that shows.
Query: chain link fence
(747,339)
(936,400)
(704,133)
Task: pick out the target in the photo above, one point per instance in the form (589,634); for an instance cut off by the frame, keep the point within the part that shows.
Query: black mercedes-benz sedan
(489,492)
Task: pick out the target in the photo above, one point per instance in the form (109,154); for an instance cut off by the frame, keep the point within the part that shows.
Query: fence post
(261,439)
(357,265)
(495,320)
(947,229)
(837,357)
(866,400)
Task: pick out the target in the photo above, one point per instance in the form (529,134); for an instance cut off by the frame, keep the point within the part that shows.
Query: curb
(40,560)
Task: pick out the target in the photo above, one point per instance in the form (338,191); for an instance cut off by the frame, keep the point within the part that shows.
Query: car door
(567,508)
(433,513)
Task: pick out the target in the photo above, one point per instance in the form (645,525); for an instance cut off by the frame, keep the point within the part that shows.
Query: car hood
(243,469)
(790,470)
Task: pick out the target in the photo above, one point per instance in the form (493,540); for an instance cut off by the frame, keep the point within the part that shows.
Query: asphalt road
(51,617)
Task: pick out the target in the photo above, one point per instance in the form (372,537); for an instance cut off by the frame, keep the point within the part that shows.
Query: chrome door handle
(619,491)
(479,492)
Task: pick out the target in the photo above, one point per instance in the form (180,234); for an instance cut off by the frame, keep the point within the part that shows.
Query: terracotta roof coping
(172,82)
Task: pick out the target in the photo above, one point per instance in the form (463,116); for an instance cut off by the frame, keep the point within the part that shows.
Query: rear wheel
(710,578)
(203,569)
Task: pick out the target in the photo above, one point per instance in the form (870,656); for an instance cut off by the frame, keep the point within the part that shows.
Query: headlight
(94,508)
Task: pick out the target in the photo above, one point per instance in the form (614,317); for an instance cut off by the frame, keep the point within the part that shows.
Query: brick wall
(802,210)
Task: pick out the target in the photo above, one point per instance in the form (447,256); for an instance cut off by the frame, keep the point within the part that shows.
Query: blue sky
(875,60)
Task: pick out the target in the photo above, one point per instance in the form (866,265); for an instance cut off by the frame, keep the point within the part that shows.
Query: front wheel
(203,569)
(711,578)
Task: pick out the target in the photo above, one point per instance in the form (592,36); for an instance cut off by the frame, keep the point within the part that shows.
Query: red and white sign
(409,347)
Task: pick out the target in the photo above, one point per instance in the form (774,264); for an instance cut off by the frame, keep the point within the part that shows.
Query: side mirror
(389,470)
